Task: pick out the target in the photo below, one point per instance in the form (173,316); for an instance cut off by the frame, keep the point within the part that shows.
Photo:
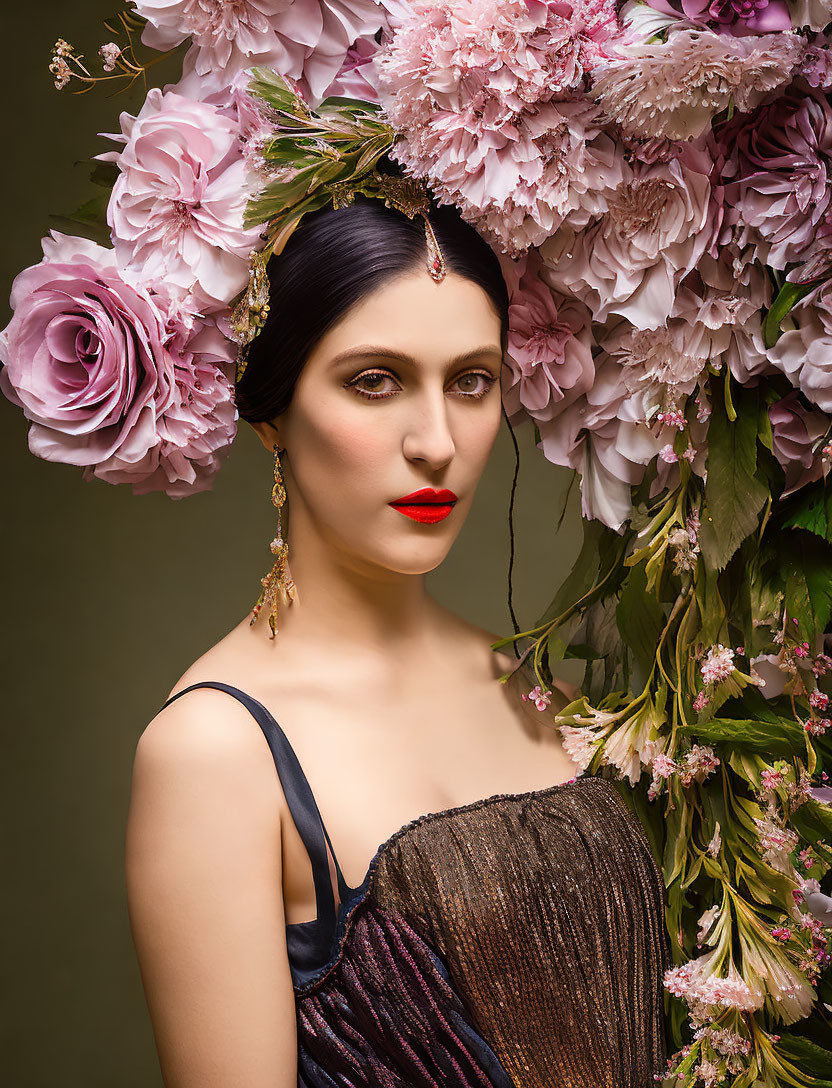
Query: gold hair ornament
(312,159)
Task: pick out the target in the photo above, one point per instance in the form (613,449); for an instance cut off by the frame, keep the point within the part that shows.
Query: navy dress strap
(301,802)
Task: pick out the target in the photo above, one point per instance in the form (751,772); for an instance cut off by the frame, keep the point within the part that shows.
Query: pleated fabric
(515,942)
(518,941)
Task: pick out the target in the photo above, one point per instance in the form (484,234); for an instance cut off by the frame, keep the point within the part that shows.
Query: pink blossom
(699,763)
(659,221)
(110,52)
(579,744)
(663,766)
(675,87)
(818,700)
(176,210)
(701,701)
(485,98)
(114,378)
(777,174)
(776,843)
(718,664)
(817,727)
(549,358)
(816,63)
(306,40)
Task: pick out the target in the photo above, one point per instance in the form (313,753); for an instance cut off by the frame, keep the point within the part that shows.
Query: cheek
(349,448)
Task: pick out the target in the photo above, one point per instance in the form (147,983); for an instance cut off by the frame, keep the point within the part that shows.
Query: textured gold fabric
(548,910)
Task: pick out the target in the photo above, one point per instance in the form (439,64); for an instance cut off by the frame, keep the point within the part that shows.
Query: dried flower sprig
(118,62)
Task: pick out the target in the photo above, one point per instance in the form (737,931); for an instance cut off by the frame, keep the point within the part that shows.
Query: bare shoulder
(208,735)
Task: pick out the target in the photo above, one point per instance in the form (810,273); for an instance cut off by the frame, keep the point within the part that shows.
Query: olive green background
(107,598)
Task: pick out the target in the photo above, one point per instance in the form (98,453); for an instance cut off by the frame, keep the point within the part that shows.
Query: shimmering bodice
(514,942)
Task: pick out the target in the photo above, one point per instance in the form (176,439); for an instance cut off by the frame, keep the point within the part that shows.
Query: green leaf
(811,1059)
(787,297)
(89,221)
(806,566)
(735,491)
(640,619)
(780,739)
(811,510)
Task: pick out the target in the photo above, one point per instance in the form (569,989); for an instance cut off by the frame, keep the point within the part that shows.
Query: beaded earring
(278,587)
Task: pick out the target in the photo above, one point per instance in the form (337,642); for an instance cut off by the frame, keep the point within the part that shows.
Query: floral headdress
(655,179)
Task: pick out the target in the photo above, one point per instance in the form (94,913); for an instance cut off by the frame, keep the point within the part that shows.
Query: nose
(428,437)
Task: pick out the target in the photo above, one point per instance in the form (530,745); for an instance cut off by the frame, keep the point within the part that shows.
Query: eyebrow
(366,350)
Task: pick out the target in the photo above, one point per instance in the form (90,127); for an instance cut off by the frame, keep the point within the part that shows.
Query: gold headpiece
(312,159)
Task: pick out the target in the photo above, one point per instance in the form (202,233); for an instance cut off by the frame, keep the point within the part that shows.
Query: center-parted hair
(332,261)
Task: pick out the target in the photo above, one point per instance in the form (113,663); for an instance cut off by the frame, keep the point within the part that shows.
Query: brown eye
(368,384)
(476,383)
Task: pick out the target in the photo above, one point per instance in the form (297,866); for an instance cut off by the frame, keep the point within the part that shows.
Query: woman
(513,933)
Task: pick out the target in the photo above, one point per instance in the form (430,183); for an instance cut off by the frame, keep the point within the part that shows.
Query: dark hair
(332,261)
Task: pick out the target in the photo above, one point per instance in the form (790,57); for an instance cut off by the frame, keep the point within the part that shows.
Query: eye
(480,389)
(368,384)
(373,377)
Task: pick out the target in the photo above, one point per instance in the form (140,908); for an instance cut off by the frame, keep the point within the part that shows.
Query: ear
(268,434)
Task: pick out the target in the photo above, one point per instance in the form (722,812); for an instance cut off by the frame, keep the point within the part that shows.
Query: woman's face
(403,393)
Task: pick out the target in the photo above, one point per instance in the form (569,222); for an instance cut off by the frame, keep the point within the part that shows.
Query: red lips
(426,505)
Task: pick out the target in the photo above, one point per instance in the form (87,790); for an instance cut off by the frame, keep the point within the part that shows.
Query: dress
(517,941)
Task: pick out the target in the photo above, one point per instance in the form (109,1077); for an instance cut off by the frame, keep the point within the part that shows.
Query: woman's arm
(204,885)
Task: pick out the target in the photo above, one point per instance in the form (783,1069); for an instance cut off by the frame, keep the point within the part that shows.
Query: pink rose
(113,378)
(306,40)
(630,260)
(549,350)
(176,210)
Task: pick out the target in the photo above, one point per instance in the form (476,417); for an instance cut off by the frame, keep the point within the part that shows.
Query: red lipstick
(426,505)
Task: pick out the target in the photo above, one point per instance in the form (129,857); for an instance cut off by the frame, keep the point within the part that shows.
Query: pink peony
(306,40)
(115,379)
(674,88)
(604,436)
(659,221)
(796,432)
(776,169)
(549,358)
(470,88)
(176,210)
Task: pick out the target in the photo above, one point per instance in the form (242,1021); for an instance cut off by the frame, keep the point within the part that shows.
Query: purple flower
(795,433)
(734,17)
(777,174)
(804,353)
(176,210)
(113,378)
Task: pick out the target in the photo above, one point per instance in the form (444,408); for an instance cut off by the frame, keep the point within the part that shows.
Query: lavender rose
(113,378)
(176,210)
(796,432)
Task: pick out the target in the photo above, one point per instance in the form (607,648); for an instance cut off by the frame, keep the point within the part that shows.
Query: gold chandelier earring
(278,587)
